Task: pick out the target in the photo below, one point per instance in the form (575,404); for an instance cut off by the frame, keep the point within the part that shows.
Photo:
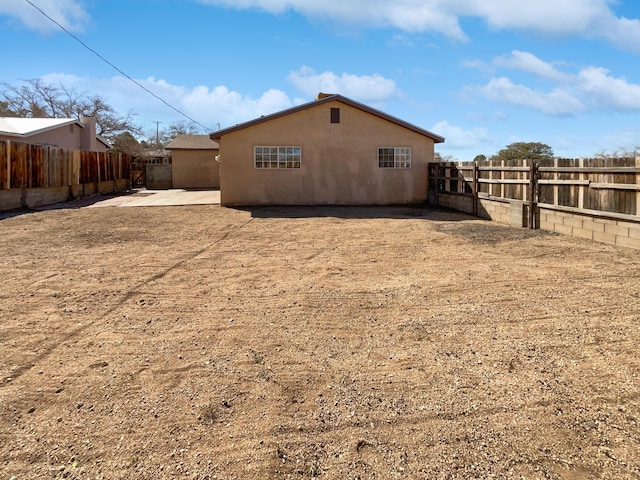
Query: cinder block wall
(614,232)
(497,211)
(37,197)
(611,231)
(10,199)
(456,202)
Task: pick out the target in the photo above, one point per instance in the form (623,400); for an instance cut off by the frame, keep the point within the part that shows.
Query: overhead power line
(116,68)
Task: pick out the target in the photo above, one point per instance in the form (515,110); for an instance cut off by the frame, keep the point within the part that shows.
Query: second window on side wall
(277,157)
(394,157)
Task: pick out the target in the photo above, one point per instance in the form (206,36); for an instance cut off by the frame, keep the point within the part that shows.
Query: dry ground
(338,343)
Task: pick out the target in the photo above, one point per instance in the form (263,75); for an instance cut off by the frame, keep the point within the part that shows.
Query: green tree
(127,143)
(38,99)
(524,151)
(480,158)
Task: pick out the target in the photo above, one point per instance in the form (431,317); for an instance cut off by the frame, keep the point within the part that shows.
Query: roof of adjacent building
(192,142)
(26,127)
(326,98)
(31,126)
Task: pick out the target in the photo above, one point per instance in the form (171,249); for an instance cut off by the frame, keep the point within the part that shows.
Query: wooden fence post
(532,194)
(8,180)
(556,187)
(581,188)
(523,177)
(490,178)
(475,188)
(638,183)
(437,181)
(447,178)
(76,167)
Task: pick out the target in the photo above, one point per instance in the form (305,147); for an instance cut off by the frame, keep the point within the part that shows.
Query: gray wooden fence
(609,187)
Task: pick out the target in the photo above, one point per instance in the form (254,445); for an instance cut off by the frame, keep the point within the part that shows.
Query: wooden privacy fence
(609,186)
(36,166)
(551,193)
(43,172)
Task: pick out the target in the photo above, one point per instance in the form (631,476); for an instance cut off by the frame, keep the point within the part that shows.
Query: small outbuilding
(333,151)
(193,162)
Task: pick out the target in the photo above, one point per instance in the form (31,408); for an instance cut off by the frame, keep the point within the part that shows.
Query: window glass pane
(385,157)
(394,157)
(277,157)
(402,157)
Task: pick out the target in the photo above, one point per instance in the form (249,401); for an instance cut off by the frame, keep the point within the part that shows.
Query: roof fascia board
(347,101)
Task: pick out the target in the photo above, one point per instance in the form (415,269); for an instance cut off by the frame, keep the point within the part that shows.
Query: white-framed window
(277,157)
(394,157)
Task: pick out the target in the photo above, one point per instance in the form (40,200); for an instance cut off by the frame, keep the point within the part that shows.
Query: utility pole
(157,132)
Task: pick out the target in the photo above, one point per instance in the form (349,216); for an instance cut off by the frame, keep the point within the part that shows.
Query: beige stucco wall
(339,161)
(195,169)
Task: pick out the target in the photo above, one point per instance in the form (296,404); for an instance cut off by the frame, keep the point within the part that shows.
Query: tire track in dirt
(55,343)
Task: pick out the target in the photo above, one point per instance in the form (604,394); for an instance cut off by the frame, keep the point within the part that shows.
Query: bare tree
(37,98)
(165,135)
(622,152)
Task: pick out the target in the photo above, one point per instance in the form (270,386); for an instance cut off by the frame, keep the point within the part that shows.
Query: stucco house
(332,151)
(68,133)
(194,163)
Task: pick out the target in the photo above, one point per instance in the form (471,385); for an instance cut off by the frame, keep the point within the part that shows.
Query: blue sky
(481,73)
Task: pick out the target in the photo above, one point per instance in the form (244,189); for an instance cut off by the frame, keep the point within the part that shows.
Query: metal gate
(138,175)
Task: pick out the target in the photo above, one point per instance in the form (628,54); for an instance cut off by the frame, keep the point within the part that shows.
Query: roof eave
(216,136)
(52,127)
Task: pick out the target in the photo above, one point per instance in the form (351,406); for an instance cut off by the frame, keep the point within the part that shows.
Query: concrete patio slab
(158,198)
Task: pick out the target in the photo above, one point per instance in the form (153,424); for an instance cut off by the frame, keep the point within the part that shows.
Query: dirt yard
(334,343)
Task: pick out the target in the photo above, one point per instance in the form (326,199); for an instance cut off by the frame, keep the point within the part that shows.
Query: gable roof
(192,142)
(26,127)
(324,98)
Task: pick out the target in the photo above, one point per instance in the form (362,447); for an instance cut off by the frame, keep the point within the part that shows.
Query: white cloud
(589,89)
(478,65)
(528,62)
(607,92)
(407,15)
(71,14)
(457,138)
(623,32)
(584,18)
(210,105)
(402,40)
(555,102)
(366,88)
(207,105)
(557,17)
